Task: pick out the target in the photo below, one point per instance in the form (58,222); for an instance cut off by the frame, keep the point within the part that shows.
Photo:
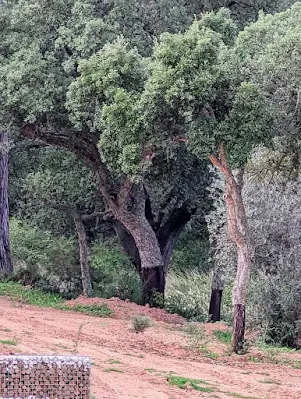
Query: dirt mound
(125,310)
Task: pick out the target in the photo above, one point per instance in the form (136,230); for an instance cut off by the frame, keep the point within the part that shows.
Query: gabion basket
(44,377)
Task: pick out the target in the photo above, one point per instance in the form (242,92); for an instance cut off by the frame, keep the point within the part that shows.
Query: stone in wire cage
(44,377)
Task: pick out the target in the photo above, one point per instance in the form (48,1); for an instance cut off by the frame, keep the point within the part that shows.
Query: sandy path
(128,365)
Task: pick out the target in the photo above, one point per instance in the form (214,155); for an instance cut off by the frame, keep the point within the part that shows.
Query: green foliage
(96,310)
(113,274)
(28,295)
(141,323)
(223,336)
(43,260)
(192,83)
(8,342)
(274,306)
(188,294)
(191,254)
(183,382)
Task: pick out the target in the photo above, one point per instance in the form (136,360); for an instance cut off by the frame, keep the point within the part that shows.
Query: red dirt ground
(126,365)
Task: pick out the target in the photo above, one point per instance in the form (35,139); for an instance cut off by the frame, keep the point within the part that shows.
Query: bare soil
(127,365)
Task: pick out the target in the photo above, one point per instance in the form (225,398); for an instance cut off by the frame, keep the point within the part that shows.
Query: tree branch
(80,146)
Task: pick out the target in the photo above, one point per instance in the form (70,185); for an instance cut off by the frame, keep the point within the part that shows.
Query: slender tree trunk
(239,295)
(239,234)
(83,255)
(215,305)
(6,266)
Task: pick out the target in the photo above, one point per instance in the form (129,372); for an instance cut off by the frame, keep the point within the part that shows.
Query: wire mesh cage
(44,377)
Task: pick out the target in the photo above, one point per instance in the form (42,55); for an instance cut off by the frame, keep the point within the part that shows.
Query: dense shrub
(275,306)
(113,275)
(188,294)
(43,260)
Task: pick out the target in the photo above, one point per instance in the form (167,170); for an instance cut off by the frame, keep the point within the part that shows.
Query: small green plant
(141,323)
(100,310)
(8,342)
(113,361)
(5,329)
(193,329)
(208,353)
(182,382)
(223,336)
(269,382)
(112,370)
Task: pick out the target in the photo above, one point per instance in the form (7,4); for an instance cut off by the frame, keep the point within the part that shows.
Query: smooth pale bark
(238,233)
(83,255)
(6,265)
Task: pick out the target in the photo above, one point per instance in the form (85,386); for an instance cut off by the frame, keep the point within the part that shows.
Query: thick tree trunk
(215,305)
(152,265)
(166,235)
(239,234)
(153,289)
(83,254)
(6,266)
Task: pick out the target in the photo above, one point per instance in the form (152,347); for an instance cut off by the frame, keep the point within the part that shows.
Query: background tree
(221,115)
(50,78)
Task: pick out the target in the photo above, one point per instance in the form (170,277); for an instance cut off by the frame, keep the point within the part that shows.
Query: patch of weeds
(99,310)
(269,382)
(275,348)
(223,336)
(262,373)
(193,329)
(28,295)
(8,342)
(151,370)
(183,382)
(113,361)
(254,359)
(208,353)
(296,365)
(141,323)
(112,370)
(6,330)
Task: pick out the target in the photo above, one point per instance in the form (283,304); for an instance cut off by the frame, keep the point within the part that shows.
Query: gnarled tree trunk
(238,232)
(162,237)
(6,266)
(83,255)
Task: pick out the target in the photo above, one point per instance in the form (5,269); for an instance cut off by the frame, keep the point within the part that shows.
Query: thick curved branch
(78,144)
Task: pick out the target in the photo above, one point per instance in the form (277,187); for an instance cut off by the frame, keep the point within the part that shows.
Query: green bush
(113,274)
(43,260)
(274,304)
(188,294)
(141,323)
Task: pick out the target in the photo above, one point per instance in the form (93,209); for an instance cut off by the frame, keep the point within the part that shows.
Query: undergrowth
(39,298)
(183,382)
